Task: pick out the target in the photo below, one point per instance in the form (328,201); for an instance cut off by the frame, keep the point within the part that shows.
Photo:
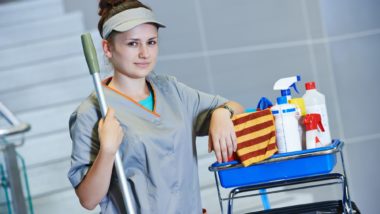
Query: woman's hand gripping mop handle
(93,65)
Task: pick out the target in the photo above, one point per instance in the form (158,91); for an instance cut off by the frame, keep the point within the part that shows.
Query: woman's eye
(132,44)
(152,42)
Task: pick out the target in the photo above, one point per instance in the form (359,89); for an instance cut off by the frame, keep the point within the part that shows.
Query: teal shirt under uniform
(158,150)
(148,102)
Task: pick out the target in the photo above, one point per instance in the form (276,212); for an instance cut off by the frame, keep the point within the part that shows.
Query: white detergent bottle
(314,128)
(286,123)
(315,103)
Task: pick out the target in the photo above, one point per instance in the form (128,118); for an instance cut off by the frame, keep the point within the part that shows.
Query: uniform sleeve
(199,105)
(85,145)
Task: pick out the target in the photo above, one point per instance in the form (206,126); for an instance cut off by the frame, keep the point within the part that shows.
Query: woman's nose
(144,52)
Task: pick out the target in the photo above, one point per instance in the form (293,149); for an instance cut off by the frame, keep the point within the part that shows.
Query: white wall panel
(48,120)
(43,51)
(25,11)
(49,178)
(42,73)
(32,32)
(40,150)
(48,94)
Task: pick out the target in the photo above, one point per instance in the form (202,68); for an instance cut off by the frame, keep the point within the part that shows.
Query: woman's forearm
(97,181)
(222,137)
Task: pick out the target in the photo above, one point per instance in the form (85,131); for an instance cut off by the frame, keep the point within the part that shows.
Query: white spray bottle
(285,84)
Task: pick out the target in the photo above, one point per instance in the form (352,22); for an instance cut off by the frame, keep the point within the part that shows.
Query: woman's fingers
(217,149)
(110,113)
(110,132)
(223,147)
(234,141)
(100,124)
(230,145)
(210,142)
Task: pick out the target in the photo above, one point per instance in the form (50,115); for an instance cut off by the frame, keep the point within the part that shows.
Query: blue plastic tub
(284,169)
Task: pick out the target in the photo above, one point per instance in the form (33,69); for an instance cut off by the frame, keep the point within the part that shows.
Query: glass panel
(5,203)
(25,183)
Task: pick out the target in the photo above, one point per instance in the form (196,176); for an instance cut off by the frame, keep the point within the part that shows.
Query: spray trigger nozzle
(313,122)
(285,84)
(320,126)
(295,87)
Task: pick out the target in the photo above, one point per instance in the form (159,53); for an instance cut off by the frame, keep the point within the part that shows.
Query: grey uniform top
(158,150)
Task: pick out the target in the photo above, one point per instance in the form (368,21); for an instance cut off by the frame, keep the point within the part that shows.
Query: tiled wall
(353,28)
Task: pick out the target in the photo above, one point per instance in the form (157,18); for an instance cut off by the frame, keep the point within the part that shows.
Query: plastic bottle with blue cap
(286,122)
(284,85)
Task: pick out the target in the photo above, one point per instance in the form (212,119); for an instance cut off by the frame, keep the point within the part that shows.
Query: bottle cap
(282,100)
(310,85)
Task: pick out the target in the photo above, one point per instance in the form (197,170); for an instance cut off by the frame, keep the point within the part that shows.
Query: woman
(152,120)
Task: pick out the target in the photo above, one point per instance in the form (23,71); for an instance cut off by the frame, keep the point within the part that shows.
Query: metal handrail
(21,128)
(17,126)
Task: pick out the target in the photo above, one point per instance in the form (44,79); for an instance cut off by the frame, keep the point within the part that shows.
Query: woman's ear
(106,48)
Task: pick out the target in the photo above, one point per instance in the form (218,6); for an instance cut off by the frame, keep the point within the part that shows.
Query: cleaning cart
(289,171)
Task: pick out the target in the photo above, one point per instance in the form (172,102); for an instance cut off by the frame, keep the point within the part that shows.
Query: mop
(93,65)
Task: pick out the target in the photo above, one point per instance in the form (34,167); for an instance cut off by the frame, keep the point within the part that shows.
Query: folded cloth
(256,136)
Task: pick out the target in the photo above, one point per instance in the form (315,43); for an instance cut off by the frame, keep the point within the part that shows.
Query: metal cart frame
(306,181)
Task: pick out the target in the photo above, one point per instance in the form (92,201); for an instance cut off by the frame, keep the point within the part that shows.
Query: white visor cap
(129,19)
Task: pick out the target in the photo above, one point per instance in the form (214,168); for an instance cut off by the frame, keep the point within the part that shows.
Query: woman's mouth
(142,64)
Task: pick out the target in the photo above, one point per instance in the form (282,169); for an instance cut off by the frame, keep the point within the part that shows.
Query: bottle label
(287,133)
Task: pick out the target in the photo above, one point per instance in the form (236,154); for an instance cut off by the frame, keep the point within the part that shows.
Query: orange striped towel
(256,136)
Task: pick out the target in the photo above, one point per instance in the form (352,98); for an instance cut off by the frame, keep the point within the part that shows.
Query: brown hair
(109,8)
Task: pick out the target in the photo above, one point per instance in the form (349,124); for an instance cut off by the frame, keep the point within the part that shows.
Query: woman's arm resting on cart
(95,184)
(222,137)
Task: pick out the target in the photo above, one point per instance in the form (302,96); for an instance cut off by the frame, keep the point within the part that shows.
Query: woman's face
(134,53)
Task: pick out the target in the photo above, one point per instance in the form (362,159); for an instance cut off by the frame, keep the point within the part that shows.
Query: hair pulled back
(109,8)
